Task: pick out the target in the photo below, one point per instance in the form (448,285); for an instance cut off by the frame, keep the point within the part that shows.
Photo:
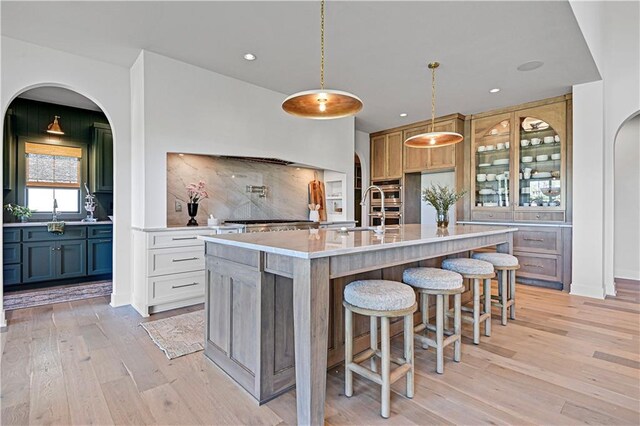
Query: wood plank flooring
(565,360)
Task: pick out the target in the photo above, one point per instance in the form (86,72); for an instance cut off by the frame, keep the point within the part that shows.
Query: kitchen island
(272,298)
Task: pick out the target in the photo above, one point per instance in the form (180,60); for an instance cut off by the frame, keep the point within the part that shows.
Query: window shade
(52,166)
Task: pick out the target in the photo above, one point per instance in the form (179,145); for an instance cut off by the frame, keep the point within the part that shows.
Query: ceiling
(377,50)
(60,96)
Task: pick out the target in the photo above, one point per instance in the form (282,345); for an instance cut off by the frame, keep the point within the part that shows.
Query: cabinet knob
(490,214)
(537,216)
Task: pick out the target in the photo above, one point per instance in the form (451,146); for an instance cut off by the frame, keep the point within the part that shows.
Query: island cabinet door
(233,320)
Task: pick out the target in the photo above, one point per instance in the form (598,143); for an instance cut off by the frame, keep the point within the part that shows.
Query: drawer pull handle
(534,239)
(103,232)
(183,238)
(186,259)
(533,266)
(104,241)
(537,216)
(185,285)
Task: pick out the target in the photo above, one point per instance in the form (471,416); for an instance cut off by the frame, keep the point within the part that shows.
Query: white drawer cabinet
(176,287)
(175,260)
(168,268)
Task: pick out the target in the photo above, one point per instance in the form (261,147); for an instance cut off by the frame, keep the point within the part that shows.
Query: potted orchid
(196,193)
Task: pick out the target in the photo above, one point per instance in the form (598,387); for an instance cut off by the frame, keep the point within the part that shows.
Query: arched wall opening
(627,200)
(84,101)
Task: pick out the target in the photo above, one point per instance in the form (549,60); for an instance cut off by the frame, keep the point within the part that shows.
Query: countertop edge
(343,251)
(524,224)
(67,223)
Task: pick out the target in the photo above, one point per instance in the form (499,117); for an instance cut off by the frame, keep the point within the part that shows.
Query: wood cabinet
(386,156)
(101,159)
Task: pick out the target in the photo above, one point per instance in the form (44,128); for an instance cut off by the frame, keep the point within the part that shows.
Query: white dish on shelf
(555,156)
(484,165)
(487,191)
(541,175)
(501,162)
(481,148)
(491,177)
(542,157)
(481,177)
(548,139)
(527,159)
(490,147)
(501,176)
(536,141)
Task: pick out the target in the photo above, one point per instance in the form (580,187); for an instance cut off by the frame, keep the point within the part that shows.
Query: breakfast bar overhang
(272,298)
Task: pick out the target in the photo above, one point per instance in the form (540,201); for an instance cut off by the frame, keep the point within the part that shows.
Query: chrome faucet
(383,214)
(55,211)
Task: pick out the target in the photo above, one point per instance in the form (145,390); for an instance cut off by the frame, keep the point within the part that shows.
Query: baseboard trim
(120,299)
(596,292)
(628,274)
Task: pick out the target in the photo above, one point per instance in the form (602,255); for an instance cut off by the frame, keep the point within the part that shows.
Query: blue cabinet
(39,261)
(99,256)
(32,255)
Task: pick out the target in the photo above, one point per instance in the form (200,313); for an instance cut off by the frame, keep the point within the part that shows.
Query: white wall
(193,110)
(627,201)
(362,149)
(612,32)
(25,66)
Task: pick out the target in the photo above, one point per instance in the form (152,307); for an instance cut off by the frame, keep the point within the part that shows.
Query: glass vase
(442,219)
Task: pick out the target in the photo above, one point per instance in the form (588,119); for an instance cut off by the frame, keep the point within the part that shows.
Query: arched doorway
(57,156)
(627,203)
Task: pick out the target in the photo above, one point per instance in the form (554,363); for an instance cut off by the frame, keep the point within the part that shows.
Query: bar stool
(440,283)
(506,266)
(475,270)
(383,299)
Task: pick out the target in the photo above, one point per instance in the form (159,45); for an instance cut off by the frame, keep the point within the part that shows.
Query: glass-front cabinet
(492,161)
(519,165)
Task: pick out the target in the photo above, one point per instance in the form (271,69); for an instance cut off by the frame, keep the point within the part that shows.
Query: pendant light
(433,139)
(54,128)
(322,104)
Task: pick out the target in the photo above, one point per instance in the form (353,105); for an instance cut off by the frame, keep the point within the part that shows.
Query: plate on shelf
(484,165)
(487,191)
(541,175)
(531,124)
(501,162)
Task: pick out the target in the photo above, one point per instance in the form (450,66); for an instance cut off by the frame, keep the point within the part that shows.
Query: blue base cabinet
(33,255)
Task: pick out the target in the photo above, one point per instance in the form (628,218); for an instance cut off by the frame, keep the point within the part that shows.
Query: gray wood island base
(272,298)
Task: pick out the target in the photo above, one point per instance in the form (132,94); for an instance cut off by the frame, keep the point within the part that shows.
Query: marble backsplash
(226,181)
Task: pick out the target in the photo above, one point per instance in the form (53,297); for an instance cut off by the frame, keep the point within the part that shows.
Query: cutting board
(316,196)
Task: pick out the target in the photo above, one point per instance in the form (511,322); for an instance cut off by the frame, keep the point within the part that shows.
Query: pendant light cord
(433,99)
(322,44)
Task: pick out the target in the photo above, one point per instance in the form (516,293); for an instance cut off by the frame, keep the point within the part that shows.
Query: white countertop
(67,223)
(527,224)
(186,228)
(315,243)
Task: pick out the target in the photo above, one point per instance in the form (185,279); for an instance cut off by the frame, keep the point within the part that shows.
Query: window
(53,173)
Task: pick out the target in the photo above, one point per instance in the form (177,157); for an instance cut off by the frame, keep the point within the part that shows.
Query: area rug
(179,335)
(47,296)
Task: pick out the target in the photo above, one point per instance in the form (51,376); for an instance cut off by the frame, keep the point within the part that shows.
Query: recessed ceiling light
(530,66)
(250,56)
(403,114)
(495,90)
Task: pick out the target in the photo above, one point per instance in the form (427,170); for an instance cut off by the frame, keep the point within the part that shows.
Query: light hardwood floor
(565,360)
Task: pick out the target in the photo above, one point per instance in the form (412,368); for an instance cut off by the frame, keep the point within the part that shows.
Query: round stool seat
(466,266)
(497,259)
(432,278)
(379,295)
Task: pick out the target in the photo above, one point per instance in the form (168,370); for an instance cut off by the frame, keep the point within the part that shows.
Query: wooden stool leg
(512,293)
(424,309)
(446,311)
(504,295)
(408,352)
(439,333)
(457,326)
(487,306)
(476,311)
(374,341)
(385,342)
(348,352)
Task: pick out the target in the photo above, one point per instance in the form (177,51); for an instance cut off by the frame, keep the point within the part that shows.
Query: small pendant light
(433,139)
(54,128)
(322,104)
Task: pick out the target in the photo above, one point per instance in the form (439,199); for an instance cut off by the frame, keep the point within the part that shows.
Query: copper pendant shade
(322,104)
(54,128)
(433,139)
